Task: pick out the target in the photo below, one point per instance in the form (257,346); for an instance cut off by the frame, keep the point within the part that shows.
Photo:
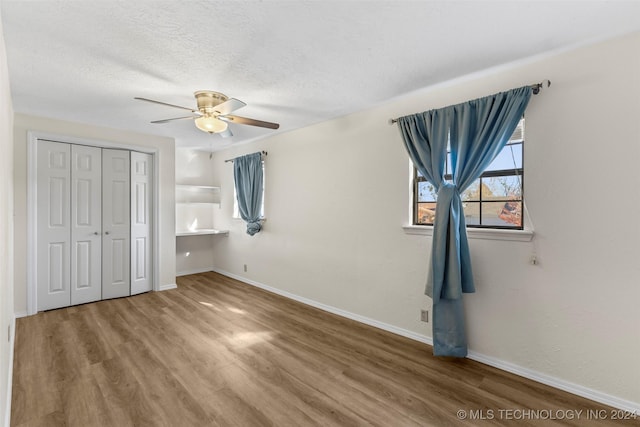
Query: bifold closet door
(93,224)
(53,226)
(86,224)
(141,214)
(116,223)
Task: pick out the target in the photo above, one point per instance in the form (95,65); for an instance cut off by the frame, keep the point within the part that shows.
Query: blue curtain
(247,173)
(476,132)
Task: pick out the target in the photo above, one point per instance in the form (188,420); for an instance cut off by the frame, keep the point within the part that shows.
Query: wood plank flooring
(217,352)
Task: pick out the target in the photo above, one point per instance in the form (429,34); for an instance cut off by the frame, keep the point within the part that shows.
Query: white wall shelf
(195,206)
(190,187)
(201,232)
(186,194)
(197,203)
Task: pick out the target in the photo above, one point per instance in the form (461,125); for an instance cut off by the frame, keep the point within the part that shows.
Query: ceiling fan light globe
(211,124)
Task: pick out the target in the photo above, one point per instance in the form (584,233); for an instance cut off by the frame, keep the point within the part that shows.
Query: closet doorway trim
(32,142)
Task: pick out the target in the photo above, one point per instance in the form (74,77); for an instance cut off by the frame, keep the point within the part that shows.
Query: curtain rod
(264,153)
(535,88)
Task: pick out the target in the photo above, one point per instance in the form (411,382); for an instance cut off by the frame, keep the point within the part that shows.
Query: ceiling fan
(212,114)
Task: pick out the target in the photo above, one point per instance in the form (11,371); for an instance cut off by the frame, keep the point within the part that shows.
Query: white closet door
(141,222)
(86,224)
(116,223)
(53,225)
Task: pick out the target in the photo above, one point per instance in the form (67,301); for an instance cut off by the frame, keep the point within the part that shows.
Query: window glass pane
(518,134)
(426,213)
(504,214)
(471,213)
(502,188)
(426,192)
(473,192)
(509,158)
(491,201)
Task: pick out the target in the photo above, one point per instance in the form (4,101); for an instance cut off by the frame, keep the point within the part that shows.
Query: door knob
(96,233)
(106,232)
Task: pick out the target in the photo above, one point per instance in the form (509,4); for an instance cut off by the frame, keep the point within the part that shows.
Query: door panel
(58,194)
(86,224)
(53,225)
(116,224)
(141,222)
(118,249)
(88,205)
(118,192)
(83,265)
(57,274)
(140,247)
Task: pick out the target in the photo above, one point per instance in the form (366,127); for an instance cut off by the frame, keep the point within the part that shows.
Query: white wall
(166,155)
(6,233)
(194,253)
(337,196)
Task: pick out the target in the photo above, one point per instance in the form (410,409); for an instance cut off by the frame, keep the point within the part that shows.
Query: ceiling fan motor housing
(207,101)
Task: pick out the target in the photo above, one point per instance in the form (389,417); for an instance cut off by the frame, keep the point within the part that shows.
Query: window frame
(416,179)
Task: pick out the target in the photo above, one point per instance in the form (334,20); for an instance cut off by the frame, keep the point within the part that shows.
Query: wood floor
(217,352)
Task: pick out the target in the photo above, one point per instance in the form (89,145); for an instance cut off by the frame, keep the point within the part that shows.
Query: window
(493,201)
(236,211)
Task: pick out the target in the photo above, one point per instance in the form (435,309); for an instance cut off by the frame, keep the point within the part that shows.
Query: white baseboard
(604,398)
(20,314)
(9,385)
(168,286)
(194,271)
(597,396)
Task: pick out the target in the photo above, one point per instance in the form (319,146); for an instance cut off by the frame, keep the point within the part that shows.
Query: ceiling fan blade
(164,103)
(251,122)
(175,118)
(226,133)
(229,105)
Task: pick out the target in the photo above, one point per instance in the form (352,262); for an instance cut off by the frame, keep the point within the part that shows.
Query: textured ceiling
(293,62)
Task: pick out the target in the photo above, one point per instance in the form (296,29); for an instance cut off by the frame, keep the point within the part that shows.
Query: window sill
(477,233)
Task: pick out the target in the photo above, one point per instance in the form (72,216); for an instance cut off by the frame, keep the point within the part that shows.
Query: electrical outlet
(424,316)
(245,268)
